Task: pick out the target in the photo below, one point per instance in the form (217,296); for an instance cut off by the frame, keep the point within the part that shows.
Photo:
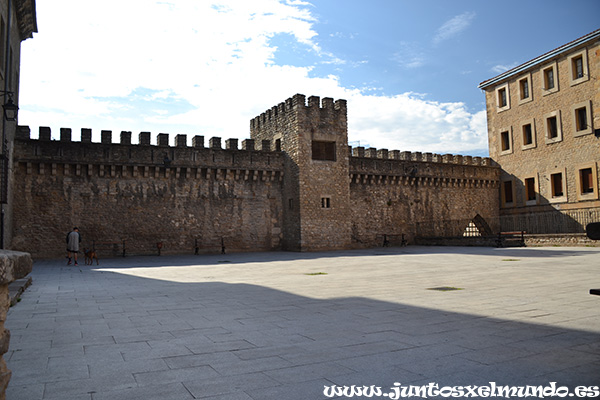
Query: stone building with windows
(544,132)
(18,22)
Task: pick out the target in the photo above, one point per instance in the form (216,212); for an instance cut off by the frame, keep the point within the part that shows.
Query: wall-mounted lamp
(11,110)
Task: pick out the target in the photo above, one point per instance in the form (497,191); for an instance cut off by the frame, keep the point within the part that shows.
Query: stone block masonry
(295,185)
(391,196)
(180,196)
(337,197)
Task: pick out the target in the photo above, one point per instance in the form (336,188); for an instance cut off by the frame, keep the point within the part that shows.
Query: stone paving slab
(283,325)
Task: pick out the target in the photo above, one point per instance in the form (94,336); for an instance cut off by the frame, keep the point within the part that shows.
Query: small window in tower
(324,151)
(325,202)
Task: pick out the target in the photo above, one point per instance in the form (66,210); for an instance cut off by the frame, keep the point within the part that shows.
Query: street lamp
(10,110)
(10,114)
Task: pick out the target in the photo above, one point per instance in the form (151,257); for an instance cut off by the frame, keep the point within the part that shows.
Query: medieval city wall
(272,193)
(142,194)
(399,196)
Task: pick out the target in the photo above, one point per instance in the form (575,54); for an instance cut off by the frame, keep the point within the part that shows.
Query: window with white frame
(558,186)
(528,134)
(525,94)
(531,191)
(582,118)
(553,127)
(505,141)
(578,67)
(587,182)
(502,98)
(549,79)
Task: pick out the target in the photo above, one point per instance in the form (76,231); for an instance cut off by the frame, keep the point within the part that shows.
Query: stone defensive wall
(398,196)
(313,134)
(187,198)
(266,194)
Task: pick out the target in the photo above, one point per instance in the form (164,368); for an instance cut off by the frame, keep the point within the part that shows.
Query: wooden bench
(391,239)
(511,239)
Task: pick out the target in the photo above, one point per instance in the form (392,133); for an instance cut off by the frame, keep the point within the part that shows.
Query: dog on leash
(90,256)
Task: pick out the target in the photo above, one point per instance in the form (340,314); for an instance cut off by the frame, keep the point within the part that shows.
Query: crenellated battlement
(385,154)
(124,159)
(315,108)
(380,166)
(144,139)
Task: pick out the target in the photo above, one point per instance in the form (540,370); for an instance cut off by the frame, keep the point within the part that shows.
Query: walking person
(73,240)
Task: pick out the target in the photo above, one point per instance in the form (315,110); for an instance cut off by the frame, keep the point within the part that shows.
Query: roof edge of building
(541,59)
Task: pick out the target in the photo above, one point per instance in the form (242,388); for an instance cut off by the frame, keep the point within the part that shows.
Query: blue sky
(408,69)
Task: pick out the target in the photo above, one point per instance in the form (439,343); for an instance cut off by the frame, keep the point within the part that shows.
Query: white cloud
(207,68)
(453,27)
(410,55)
(498,69)
(406,122)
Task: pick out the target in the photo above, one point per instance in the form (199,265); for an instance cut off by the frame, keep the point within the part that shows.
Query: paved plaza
(285,325)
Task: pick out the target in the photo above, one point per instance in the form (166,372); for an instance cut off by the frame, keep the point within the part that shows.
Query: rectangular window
(586,178)
(587,182)
(577,67)
(325,202)
(505,140)
(581,119)
(527,135)
(524,87)
(552,127)
(556,181)
(549,78)
(530,189)
(502,98)
(324,151)
(508,192)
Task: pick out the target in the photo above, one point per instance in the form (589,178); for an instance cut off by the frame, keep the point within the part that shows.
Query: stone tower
(316,184)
